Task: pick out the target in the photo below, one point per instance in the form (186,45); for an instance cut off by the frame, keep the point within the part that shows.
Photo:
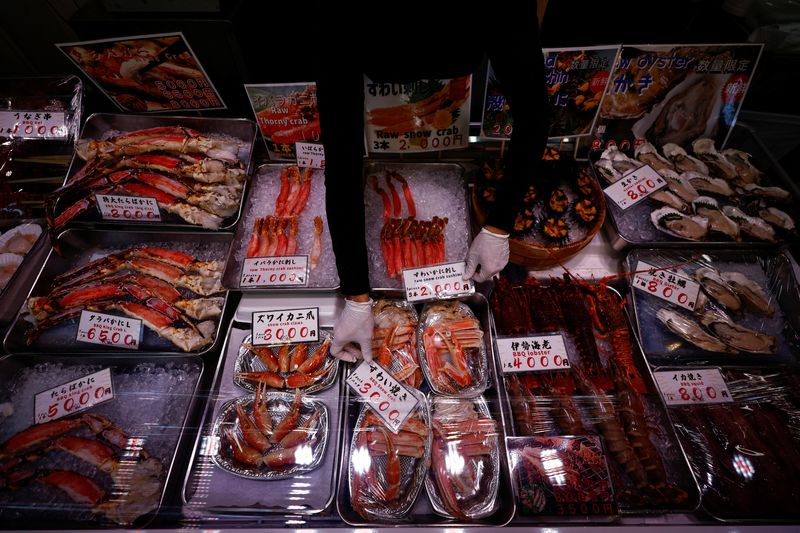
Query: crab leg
(316,244)
(396,205)
(167,138)
(252,434)
(291,243)
(242,452)
(305,191)
(412,209)
(280,202)
(261,415)
(265,355)
(298,356)
(79,488)
(373,180)
(270,379)
(298,379)
(306,431)
(316,359)
(253,245)
(289,422)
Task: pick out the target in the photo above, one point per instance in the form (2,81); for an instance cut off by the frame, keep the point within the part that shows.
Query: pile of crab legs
(394,340)
(276,235)
(189,174)
(407,242)
(289,368)
(534,308)
(134,473)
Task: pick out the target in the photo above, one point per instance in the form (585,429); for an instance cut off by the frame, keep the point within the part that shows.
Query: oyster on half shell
(673,222)
(691,331)
(736,336)
(750,292)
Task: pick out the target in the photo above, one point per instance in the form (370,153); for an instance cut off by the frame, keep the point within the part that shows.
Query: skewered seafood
(394,340)
(291,366)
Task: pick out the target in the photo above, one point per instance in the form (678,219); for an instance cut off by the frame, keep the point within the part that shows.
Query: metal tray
(22,277)
(265,181)
(77,247)
(445,196)
(771,270)
(158,403)
(676,463)
(98,125)
(741,137)
(422,512)
(210,493)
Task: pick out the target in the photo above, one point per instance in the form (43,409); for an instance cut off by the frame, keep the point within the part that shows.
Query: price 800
(669,293)
(698,394)
(641,188)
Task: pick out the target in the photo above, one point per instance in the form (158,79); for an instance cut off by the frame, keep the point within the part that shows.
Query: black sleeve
(516,57)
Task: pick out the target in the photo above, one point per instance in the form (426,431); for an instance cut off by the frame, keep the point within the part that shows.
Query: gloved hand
(354,327)
(489,251)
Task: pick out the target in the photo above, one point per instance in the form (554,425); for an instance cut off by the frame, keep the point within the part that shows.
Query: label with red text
(73,396)
(109,330)
(389,398)
(666,284)
(33,125)
(436,282)
(698,385)
(635,186)
(283,326)
(310,155)
(537,353)
(136,208)
(288,270)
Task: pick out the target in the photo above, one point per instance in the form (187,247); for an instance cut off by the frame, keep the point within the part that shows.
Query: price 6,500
(108,337)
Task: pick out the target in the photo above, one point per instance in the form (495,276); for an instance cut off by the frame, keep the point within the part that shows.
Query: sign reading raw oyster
(635,187)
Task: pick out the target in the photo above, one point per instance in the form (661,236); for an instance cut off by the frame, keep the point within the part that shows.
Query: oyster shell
(606,169)
(755,227)
(736,336)
(771,193)
(8,265)
(704,183)
(671,199)
(20,239)
(778,218)
(683,162)
(679,185)
(749,292)
(648,154)
(691,331)
(706,206)
(705,151)
(715,286)
(745,171)
(675,223)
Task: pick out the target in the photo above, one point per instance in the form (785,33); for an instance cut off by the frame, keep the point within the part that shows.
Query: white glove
(489,251)
(354,327)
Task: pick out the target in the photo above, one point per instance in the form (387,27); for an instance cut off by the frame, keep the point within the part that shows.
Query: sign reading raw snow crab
(283,326)
(73,396)
(537,353)
(288,270)
(135,208)
(635,186)
(385,395)
(698,385)
(33,125)
(666,284)
(423,116)
(436,282)
(109,330)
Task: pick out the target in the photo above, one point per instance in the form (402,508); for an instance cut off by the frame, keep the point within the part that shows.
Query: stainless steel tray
(77,247)
(98,125)
(23,276)
(153,401)
(422,512)
(265,183)
(210,493)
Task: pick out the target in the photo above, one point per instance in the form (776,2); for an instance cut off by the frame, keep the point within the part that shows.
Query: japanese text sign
(288,270)
(109,330)
(635,186)
(73,396)
(667,285)
(692,386)
(389,398)
(436,282)
(135,208)
(283,326)
(536,353)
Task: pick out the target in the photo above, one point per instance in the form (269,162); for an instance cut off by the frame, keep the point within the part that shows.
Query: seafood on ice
(15,244)
(125,483)
(172,293)
(197,177)
(386,470)
(394,340)
(464,476)
(450,341)
(304,365)
(271,435)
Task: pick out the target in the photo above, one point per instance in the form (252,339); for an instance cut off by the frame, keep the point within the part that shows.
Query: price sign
(667,285)
(73,396)
(388,397)
(33,125)
(635,186)
(537,353)
(436,282)
(290,270)
(136,208)
(693,386)
(310,155)
(109,330)
(283,326)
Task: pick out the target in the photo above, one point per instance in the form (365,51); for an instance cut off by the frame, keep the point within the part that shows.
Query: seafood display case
(113,462)
(21,244)
(169,281)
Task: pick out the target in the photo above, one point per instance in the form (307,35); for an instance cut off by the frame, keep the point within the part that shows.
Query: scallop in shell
(705,206)
(673,222)
(682,160)
(705,150)
(20,239)
(8,265)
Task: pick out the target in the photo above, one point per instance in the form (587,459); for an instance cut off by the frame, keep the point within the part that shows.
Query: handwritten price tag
(698,385)
(33,125)
(290,270)
(538,353)
(136,208)
(109,330)
(283,326)
(388,397)
(635,186)
(436,282)
(73,396)
(310,155)
(667,285)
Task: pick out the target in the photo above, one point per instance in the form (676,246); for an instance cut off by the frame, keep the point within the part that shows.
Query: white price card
(310,155)
(33,125)
(635,186)
(284,326)
(436,282)
(289,270)
(538,353)
(692,386)
(136,208)
(385,395)
(73,396)
(666,284)
(109,330)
